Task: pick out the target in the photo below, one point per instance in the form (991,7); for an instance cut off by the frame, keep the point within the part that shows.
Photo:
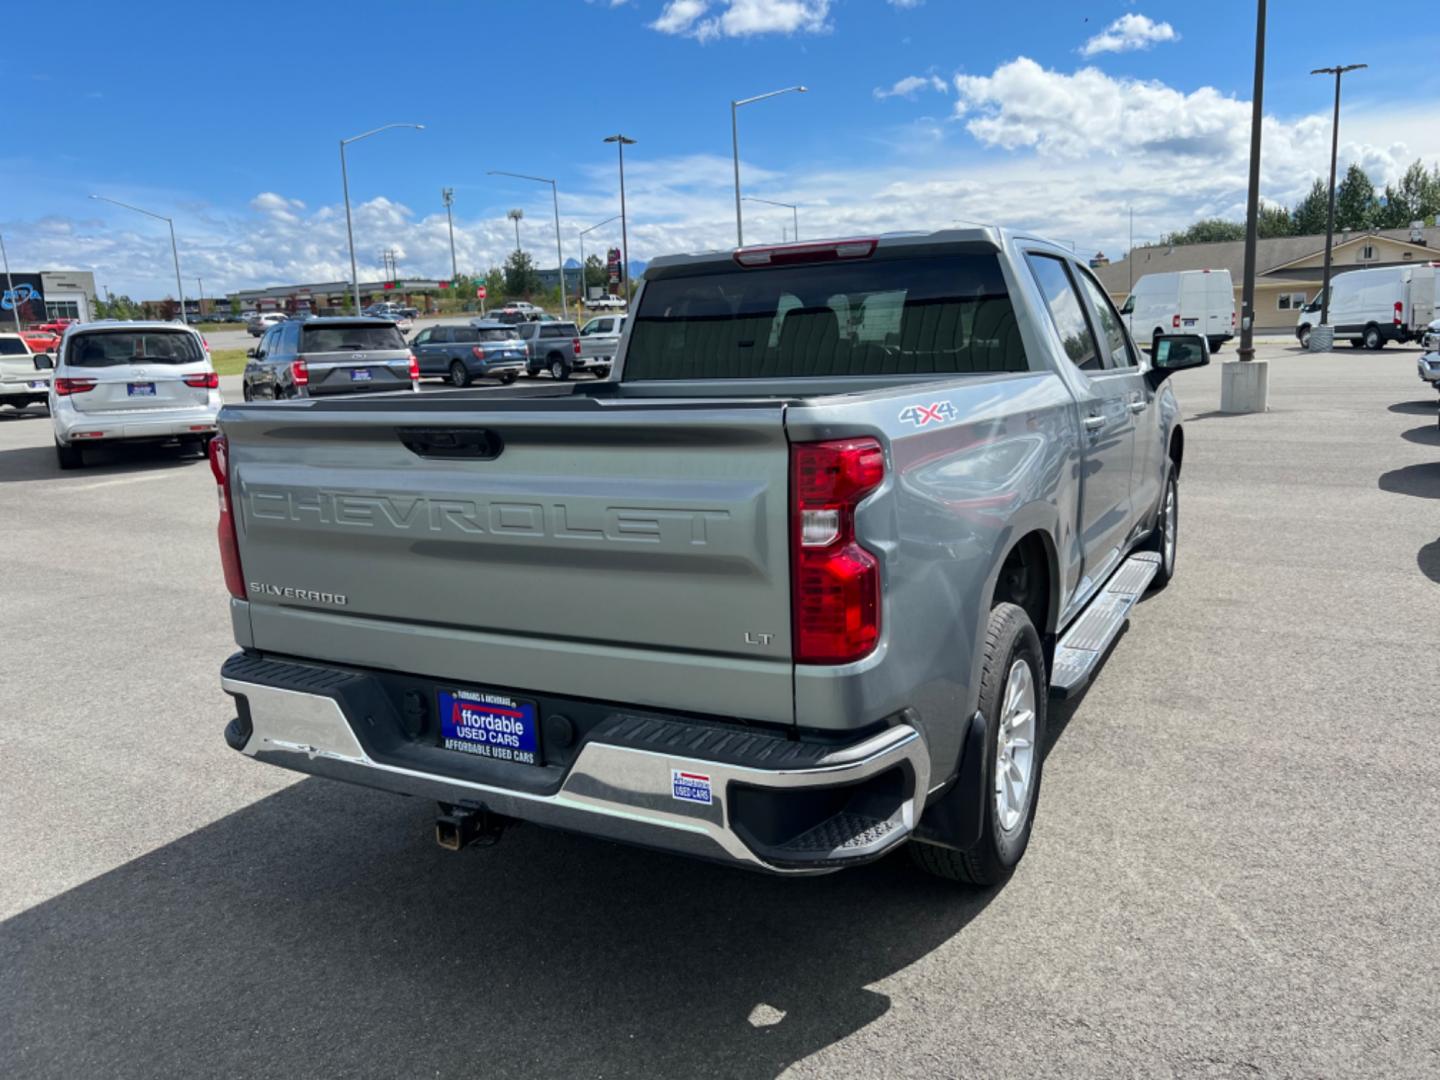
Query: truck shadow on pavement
(38,462)
(1425,435)
(1428,559)
(1421,481)
(1427,407)
(320,931)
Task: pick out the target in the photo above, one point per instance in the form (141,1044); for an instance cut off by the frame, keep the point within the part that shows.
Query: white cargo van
(1182,302)
(1371,307)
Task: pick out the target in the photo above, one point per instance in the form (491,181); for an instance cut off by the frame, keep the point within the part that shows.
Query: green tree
(1308,217)
(1274,221)
(596,276)
(1355,204)
(1415,198)
(1207,231)
(520,276)
(494,284)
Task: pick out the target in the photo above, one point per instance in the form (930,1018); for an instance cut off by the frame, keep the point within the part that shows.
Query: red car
(41,339)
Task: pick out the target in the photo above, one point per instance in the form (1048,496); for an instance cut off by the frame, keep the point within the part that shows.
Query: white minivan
(132,381)
(1370,307)
(1182,302)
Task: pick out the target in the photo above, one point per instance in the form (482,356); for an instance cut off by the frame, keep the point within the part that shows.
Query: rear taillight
(65,387)
(835,583)
(1399,313)
(576,346)
(790,254)
(205,381)
(415,364)
(1175,322)
(1232,320)
(300,372)
(477,352)
(225,531)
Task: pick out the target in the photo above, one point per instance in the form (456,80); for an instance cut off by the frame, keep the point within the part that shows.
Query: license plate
(360,374)
(490,725)
(140,389)
(38,385)
(1191,322)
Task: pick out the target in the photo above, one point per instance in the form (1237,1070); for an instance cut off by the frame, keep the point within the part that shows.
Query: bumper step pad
(1078,652)
(845,832)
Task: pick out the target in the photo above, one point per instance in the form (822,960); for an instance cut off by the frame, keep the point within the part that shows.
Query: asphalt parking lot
(1235,869)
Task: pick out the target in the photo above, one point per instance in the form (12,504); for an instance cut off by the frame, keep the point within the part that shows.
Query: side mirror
(250,353)
(1177,352)
(44,361)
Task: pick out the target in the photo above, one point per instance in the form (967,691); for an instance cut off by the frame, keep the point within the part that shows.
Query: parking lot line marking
(111,483)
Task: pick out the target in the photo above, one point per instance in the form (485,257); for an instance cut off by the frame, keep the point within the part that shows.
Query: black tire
(69,457)
(1373,339)
(602,373)
(1304,337)
(459,374)
(559,370)
(509,377)
(1356,343)
(245,393)
(1169,507)
(1010,638)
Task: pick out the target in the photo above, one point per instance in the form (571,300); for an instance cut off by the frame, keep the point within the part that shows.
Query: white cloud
(1129,32)
(903,4)
(277,206)
(908,86)
(743,18)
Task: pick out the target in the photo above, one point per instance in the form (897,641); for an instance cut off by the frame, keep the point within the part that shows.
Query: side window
(464,334)
(287,341)
(1111,329)
(423,338)
(1065,310)
(266,340)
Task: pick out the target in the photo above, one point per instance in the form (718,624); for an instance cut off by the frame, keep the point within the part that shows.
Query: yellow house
(1288,271)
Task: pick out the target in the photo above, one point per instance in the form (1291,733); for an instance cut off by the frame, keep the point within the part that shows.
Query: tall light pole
(345,183)
(1246,351)
(555,199)
(735,149)
(622,141)
(174,251)
(200,304)
(10,286)
(791,206)
(591,229)
(447,196)
(1337,71)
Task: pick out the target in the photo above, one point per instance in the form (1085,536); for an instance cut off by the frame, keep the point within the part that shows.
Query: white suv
(24,376)
(132,381)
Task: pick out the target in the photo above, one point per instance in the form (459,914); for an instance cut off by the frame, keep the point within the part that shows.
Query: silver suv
(329,356)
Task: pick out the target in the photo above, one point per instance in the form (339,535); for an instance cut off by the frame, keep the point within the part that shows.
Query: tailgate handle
(472,444)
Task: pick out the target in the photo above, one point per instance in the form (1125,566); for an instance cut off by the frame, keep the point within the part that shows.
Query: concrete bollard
(1245,387)
(1322,339)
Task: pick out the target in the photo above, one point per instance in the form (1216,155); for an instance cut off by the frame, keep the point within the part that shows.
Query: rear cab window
(116,348)
(352,338)
(900,315)
(558,330)
(13,346)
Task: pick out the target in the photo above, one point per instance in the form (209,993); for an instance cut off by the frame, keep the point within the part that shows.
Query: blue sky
(918,114)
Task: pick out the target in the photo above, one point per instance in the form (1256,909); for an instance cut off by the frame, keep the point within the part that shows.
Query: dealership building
(41,296)
(331,297)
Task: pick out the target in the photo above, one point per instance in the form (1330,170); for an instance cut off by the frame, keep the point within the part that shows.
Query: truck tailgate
(630,551)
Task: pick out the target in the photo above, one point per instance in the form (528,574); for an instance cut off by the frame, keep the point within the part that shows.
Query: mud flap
(955,820)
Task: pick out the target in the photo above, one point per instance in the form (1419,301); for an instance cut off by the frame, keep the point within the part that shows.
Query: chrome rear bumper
(861,800)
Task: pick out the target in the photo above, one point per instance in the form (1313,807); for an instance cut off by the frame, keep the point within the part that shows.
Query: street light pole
(515,216)
(174,251)
(591,229)
(621,142)
(555,200)
(447,195)
(200,304)
(1337,71)
(1246,351)
(795,212)
(10,286)
(735,150)
(345,184)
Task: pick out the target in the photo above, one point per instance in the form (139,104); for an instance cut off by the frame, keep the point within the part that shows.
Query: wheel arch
(1176,449)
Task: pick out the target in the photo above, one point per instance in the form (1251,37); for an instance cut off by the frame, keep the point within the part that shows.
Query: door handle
(1137,402)
(1094,423)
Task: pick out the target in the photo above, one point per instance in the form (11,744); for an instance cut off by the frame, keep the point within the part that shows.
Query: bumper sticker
(690,787)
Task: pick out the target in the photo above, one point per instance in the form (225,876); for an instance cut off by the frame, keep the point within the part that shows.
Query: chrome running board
(1080,648)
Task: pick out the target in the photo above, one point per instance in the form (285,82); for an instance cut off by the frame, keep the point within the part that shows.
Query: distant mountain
(637,268)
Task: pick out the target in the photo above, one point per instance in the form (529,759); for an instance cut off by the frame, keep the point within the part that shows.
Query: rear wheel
(1305,337)
(559,370)
(1012,700)
(602,373)
(509,377)
(459,374)
(1356,343)
(69,457)
(245,393)
(1373,339)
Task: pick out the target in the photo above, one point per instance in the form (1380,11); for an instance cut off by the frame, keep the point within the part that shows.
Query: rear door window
(1112,331)
(117,348)
(1066,311)
(930,314)
(357,337)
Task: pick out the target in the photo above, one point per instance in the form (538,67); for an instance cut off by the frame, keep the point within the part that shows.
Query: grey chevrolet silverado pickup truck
(789,589)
